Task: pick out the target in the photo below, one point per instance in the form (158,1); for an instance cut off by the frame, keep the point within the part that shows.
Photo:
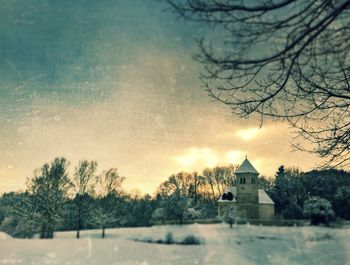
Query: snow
(264,198)
(242,245)
(4,236)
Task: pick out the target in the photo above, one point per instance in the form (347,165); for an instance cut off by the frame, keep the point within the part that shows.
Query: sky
(114,81)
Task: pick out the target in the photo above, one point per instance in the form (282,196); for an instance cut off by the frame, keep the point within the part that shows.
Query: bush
(191,240)
(292,211)
(233,215)
(319,210)
(159,215)
(191,214)
(320,237)
(169,238)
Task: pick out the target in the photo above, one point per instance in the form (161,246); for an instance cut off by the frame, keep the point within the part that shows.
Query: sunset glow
(117,84)
(248,134)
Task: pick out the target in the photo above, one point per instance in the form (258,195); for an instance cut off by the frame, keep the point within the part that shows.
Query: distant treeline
(55,201)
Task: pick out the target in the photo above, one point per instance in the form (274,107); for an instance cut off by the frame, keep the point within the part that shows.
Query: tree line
(55,201)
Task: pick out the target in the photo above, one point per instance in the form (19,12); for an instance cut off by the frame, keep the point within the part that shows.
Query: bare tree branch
(285,59)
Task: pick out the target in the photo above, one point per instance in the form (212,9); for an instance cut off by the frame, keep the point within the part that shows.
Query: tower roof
(246,167)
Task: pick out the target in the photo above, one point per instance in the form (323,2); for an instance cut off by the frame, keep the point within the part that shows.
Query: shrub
(169,238)
(292,211)
(191,214)
(233,215)
(190,240)
(319,210)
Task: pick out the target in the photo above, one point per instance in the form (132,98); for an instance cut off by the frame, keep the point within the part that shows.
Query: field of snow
(243,244)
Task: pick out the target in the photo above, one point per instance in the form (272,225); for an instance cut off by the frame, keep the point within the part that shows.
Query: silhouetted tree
(286,59)
(111,182)
(175,206)
(266,184)
(288,192)
(342,202)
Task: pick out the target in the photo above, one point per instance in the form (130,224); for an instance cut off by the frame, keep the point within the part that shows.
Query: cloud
(248,134)
(234,157)
(200,158)
(197,157)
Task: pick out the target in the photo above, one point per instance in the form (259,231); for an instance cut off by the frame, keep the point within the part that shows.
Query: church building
(251,202)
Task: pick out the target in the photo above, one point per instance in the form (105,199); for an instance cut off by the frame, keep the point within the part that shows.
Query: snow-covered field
(244,244)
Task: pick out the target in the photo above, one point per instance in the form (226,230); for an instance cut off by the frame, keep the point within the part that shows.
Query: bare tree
(284,59)
(104,213)
(181,182)
(84,181)
(111,182)
(108,205)
(218,179)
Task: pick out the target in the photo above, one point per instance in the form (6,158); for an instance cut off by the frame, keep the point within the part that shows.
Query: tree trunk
(52,233)
(79,217)
(78,225)
(103,232)
(212,191)
(43,231)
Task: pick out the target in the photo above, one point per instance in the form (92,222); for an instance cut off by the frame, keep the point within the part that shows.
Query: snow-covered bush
(159,214)
(319,210)
(191,214)
(232,215)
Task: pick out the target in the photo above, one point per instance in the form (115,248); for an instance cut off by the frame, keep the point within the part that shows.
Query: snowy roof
(229,189)
(264,198)
(226,200)
(246,167)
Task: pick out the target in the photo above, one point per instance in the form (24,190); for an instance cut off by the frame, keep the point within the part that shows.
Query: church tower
(247,183)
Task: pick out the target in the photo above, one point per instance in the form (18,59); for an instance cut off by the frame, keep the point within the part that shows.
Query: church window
(243,180)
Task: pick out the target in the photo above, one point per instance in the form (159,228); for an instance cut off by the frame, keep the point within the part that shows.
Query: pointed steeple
(246,167)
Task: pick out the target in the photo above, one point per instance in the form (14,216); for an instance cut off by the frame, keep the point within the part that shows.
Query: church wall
(266,211)
(249,210)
